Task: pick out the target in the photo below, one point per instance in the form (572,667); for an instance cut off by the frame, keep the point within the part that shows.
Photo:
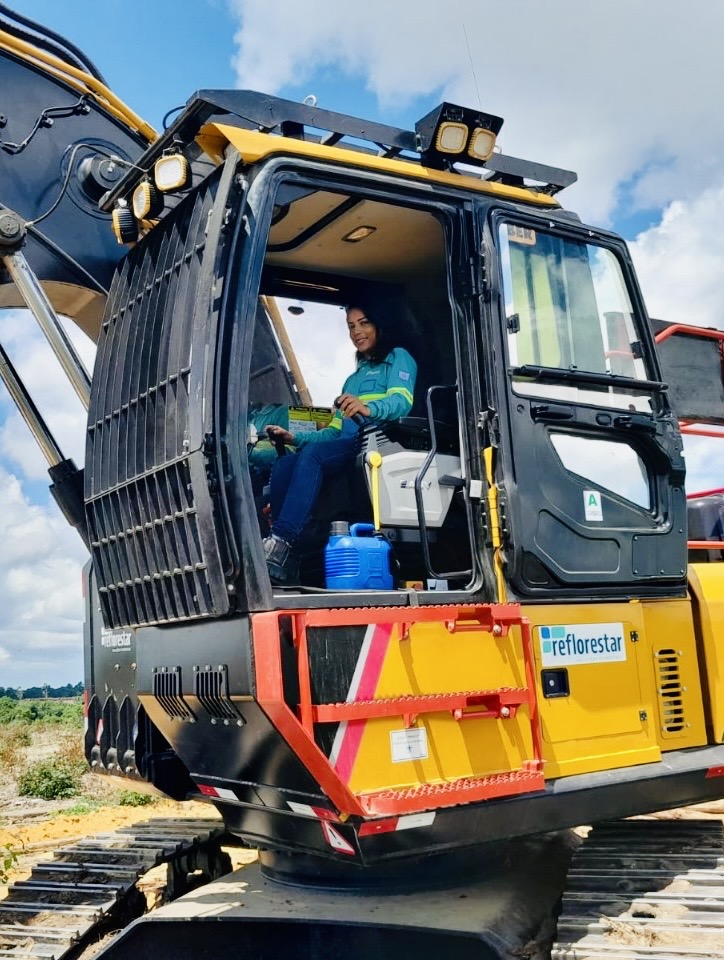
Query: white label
(476,490)
(413,820)
(592,506)
(408,744)
(302,426)
(225,794)
(567,644)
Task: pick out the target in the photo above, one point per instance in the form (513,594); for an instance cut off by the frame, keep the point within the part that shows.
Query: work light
(172,172)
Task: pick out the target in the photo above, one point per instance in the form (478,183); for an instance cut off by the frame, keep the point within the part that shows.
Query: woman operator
(381,389)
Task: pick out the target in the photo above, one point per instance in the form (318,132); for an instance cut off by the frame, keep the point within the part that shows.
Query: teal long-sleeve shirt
(387,387)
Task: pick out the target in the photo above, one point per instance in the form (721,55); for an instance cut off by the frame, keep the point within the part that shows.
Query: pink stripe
(344,764)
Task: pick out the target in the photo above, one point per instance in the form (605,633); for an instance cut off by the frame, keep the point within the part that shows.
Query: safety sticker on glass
(592,506)
(408,744)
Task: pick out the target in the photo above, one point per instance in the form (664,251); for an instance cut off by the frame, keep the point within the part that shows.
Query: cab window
(567,308)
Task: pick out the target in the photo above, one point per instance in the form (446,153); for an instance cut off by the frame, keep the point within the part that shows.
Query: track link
(645,890)
(90,887)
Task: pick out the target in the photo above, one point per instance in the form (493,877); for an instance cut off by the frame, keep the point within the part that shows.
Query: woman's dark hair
(377,314)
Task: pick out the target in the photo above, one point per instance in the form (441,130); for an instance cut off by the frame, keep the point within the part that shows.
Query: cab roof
(285,126)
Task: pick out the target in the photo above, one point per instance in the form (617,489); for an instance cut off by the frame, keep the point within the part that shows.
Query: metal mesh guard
(148,503)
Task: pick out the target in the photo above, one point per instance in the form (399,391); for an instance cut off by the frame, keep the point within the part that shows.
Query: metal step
(467,790)
(456,703)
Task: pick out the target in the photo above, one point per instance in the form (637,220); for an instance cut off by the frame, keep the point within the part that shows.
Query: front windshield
(567,308)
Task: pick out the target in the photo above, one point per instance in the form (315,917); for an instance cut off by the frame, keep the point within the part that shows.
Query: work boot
(278,556)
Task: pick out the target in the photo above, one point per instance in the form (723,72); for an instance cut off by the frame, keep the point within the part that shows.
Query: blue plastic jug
(354,561)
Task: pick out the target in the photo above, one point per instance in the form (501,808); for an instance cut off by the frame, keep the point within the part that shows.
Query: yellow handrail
(374,459)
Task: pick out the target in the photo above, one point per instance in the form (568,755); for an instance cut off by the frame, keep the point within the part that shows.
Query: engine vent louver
(167,690)
(148,474)
(211,686)
(670,691)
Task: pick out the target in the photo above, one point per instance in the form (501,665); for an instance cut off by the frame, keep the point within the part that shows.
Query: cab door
(589,465)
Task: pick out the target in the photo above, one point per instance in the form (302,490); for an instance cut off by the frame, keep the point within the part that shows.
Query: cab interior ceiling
(309,257)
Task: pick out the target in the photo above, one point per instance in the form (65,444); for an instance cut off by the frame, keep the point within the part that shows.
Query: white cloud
(40,595)
(680,261)
(322,346)
(704,464)
(614,90)
(49,387)
(41,629)
(41,557)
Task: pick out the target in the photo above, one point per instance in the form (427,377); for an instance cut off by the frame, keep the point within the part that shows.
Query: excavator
(548,649)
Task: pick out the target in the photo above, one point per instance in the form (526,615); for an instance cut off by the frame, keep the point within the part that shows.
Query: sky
(625,92)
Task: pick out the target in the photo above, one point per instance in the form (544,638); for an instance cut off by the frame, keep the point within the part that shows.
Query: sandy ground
(33,828)
(36,830)
(33,833)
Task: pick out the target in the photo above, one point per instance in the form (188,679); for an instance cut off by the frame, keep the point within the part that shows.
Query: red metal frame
(688,330)
(298,728)
(695,429)
(704,493)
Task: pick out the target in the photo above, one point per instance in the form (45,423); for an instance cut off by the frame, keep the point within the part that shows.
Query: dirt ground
(33,828)
(34,832)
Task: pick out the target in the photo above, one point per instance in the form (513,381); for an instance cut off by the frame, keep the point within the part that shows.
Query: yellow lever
(374,459)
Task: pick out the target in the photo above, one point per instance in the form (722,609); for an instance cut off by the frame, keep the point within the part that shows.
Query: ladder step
(429,796)
(492,702)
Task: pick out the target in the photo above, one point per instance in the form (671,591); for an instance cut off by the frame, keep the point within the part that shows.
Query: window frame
(452,210)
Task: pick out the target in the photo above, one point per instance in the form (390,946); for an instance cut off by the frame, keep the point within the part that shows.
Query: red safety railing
(297,725)
(696,429)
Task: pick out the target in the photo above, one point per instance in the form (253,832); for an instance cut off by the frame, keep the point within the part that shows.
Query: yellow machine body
(617,707)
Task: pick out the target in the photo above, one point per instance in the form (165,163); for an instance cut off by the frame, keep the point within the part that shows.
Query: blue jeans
(297,478)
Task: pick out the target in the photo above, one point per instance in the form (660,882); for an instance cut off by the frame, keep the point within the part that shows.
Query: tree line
(45,692)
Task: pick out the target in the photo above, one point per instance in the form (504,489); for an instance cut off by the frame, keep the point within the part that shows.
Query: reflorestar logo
(116,641)
(567,644)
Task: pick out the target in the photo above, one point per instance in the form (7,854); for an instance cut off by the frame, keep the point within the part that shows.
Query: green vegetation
(132,798)
(51,780)
(14,738)
(8,859)
(54,723)
(50,729)
(82,807)
(43,711)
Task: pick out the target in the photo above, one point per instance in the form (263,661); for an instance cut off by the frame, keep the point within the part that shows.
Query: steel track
(90,887)
(645,890)
(636,890)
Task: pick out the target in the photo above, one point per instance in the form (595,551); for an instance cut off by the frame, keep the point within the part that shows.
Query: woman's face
(362,332)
